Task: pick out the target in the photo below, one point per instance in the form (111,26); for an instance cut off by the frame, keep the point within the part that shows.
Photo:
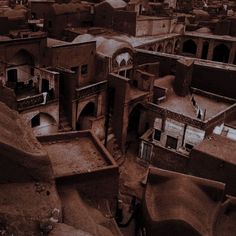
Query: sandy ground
(131,176)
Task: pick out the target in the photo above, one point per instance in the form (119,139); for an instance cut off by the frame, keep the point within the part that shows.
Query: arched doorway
(168,48)
(136,123)
(160,48)
(234,59)
(43,124)
(177,47)
(205,50)
(150,48)
(190,47)
(221,53)
(84,119)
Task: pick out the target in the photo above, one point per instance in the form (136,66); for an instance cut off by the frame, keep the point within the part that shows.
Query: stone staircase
(114,149)
(64,122)
(113,146)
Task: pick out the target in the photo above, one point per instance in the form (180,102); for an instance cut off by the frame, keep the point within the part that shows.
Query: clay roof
(203,30)
(108,47)
(54,42)
(116,4)
(83,38)
(176,197)
(219,147)
(104,45)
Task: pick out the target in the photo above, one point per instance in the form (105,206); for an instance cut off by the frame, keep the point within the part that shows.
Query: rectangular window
(157,135)
(188,147)
(171,142)
(35,121)
(84,69)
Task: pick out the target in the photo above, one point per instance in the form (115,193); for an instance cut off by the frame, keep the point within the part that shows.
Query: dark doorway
(88,111)
(221,53)
(133,131)
(45,85)
(235,59)
(12,76)
(171,142)
(205,50)
(160,48)
(35,121)
(190,47)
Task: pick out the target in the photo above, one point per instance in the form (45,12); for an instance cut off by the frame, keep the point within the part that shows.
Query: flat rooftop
(210,36)
(75,153)
(213,146)
(184,106)
(136,93)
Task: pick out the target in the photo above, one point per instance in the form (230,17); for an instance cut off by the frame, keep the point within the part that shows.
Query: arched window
(160,48)
(169,48)
(190,47)
(221,53)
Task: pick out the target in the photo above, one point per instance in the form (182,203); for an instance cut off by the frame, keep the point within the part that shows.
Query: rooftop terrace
(75,153)
(184,105)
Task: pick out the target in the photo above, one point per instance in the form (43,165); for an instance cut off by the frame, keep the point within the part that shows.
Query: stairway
(63,121)
(113,147)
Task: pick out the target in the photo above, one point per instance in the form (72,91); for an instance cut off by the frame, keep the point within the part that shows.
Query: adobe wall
(75,55)
(170,160)
(94,184)
(125,21)
(149,26)
(215,80)
(34,46)
(51,108)
(209,77)
(120,123)
(104,15)
(207,166)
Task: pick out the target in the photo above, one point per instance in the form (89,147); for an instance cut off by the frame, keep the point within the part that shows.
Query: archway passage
(84,120)
(221,53)
(190,47)
(234,59)
(136,124)
(43,124)
(169,48)
(177,47)
(160,48)
(205,50)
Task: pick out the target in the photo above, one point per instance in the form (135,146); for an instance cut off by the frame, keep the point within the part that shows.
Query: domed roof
(104,45)
(204,30)
(83,38)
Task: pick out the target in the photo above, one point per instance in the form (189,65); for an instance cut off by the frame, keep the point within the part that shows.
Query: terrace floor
(184,105)
(74,156)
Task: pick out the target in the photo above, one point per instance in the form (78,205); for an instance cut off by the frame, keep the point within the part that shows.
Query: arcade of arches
(210,50)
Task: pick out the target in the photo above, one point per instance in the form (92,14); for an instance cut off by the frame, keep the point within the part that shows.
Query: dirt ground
(132,174)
